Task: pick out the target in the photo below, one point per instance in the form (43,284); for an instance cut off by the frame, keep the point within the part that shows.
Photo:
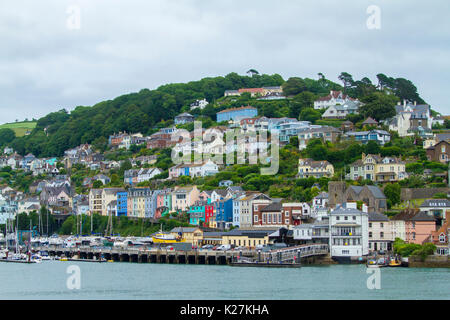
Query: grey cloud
(124,46)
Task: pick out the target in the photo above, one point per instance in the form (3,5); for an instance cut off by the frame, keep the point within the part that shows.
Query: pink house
(418,225)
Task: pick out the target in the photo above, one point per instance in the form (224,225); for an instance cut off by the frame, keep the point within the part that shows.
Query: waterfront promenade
(305,254)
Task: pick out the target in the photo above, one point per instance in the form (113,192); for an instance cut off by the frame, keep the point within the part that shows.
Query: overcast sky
(47,63)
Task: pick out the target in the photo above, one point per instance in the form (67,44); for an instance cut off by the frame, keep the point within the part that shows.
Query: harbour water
(48,280)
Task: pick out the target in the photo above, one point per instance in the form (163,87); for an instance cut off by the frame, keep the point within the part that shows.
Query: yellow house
(317,169)
(247,238)
(190,235)
(377,168)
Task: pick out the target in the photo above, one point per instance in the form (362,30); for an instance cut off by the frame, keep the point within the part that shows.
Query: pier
(304,254)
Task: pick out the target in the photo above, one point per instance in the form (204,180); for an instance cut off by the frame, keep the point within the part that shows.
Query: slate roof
(183,229)
(375,216)
(436,203)
(376,192)
(276,206)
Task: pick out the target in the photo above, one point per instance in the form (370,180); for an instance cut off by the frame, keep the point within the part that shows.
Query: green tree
(97,184)
(392,193)
(379,106)
(6,136)
(294,86)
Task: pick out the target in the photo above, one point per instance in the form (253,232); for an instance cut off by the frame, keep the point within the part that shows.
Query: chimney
(365,208)
(351,205)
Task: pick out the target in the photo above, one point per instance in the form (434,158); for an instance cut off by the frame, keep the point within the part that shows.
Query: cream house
(381,235)
(184,197)
(377,168)
(317,169)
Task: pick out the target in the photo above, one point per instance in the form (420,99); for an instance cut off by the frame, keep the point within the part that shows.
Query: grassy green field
(20,128)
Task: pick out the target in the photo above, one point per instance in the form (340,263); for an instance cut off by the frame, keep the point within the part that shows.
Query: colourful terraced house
(201,211)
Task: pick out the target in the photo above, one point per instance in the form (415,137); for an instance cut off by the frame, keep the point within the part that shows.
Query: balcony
(346,234)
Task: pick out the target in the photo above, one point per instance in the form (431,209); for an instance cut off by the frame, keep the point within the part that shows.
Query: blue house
(224,212)
(237,114)
(379,136)
(122,203)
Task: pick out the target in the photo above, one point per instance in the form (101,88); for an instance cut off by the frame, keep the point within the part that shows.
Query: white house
(199,104)
(147,174)
(334,98)
(206,168)
(341,111)
(381,236)
(349,231)
(411,118)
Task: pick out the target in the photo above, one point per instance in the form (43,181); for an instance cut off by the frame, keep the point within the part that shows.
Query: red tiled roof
(251,90)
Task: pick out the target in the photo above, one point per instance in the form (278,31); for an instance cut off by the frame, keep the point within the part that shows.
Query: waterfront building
(349,231)
(122,203)
(139,200)
(183,197)
(306,233)
(418,225)
(247,237)
(223,213)
(95,201)
(381,236)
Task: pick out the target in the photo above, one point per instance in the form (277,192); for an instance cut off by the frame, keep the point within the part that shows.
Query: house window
(370,234)
(414,236)
(381,225)
(370,224)
(256,218)
(381,235)
(354,217)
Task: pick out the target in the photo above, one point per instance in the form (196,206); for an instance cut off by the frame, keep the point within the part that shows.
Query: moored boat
(166,238)
(394,262)
(372,263)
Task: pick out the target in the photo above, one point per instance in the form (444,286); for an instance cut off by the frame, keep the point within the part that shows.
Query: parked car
(224,247)
(208,246)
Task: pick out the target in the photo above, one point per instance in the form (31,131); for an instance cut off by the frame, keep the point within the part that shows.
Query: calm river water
(48,280)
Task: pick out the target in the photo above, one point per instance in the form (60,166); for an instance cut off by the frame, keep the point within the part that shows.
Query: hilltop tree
(379,106)
(347,80)
(294,86)
(301,101)
(6,136)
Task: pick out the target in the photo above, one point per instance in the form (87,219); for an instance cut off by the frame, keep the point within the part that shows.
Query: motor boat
(166,238)
(55,240)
